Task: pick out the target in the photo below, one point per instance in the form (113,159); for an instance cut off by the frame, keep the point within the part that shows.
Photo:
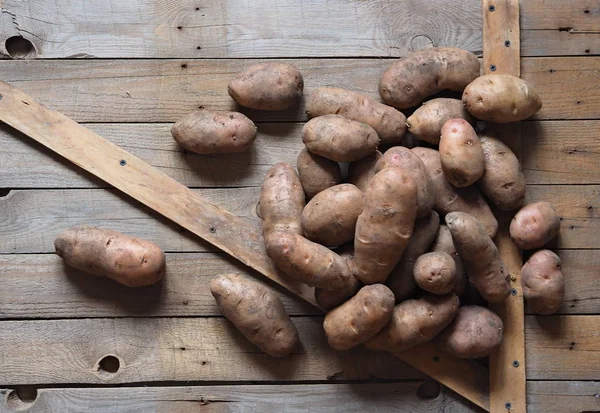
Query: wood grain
(563,396)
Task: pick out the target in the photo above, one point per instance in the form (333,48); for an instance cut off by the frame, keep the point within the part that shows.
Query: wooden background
(128,69)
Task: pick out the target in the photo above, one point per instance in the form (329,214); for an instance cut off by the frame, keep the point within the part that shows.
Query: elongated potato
(401,280)
(207,132)
(329,299)
(317,173)
(543,282)
(534,225)
(359,318)
(130,261)
(267,86)
(435,272)
(307,261)
(502,182)
(475,332)
(501,98)
(281,200)
(385,225)
(427,121)
(330,217)
(403,158)
(461,153)
(389,123)
(450,199)
(362,171)
(339,139)
(480,256)
(423,73)
(415,322)
(444,243)
(257,312)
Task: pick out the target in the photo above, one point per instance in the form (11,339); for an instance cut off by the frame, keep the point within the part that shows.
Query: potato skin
(415,322)
(130,261)
(328,300)
(307,261)
(401,280)
(427,121)
(534,225)
(411,79)
(339,139)
(480,257)
(281,200)
(359,318)
(502,182)
(362,171)
(543,282)
(450,199)
(385,226)
(461,153)
(330,217)
(475,332)
(444,243)
(317,173)
(405,159)
(389,123)
(435,272)
(501,98)
(257,312)
(267,86)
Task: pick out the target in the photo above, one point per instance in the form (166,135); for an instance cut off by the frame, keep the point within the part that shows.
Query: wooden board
(563,396)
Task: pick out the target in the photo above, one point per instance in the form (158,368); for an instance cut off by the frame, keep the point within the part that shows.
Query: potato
(339,139)
(317,173)
(328,300)
(281,200)
(403,158)
(385,225)
(307,261)
(435,272)
(480,256)
(423,73)
(475,332)
(330,217)
(501,98)
(461,154)
(130,261)
(389,123)
(444,243)
(502,182)
(267,86)
(359,318)
(534,225)
(362,171)
(415,322)
(450,199)
(543,282)
(427,121)
(257,312)
(401,280)
(208,132)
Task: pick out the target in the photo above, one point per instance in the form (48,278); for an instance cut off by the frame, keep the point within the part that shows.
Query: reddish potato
(461,154)
(444,243)
(543,283)
(427,121)
(534,225)
(362,171)
(328,300)
(317,173)
(435,272)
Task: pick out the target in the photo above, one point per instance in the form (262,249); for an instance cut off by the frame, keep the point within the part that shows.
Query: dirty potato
(317,173)
(534,225)
(461,153)
(427,121)
(435,272)
(362,171)
(543,282)
(329,299)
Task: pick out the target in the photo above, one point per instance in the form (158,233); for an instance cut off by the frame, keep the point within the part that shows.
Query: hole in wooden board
(21,398)
(429,390)
(19,47)
(109,365)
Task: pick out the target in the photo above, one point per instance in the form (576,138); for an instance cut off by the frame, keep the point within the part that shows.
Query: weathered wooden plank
(561,41)
(563,396)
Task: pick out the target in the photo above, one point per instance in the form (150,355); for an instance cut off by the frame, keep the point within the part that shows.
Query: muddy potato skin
(435,272)
(413,78)
(339,139)
(480,257)
(415,322)
(359,318)
(475,332)
(317,173)
(389,123)
(427,121)
(385,226)
(502,182)
(329,299)
(501,98)
(444,243)
(401,280)
(281,200)
(268,86)
(362,171)
(130,261)
(330,217)
(405,159)
(543,282)
(450,199)
(534,225)
(461,153)
(257,312)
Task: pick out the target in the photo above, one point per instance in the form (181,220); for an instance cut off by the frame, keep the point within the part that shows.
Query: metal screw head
(122,162)
(212,229)
(492,8)
(508,405)
(513,291)
(507,43)
(493,68)
(516,363)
